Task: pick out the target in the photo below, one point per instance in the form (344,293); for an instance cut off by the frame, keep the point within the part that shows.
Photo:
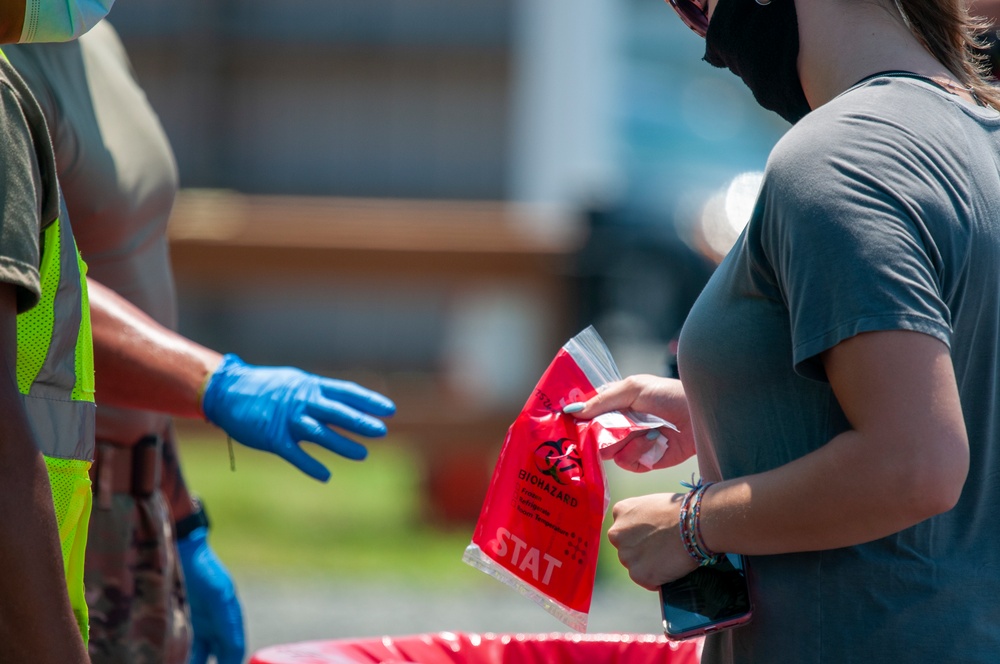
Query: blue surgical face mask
(61,20)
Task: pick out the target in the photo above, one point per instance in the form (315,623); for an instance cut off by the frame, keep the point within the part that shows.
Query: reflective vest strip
(63,428)
(58,366)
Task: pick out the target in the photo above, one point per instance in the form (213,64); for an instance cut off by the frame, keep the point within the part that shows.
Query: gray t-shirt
(119,178)
(29,193)
(879,211)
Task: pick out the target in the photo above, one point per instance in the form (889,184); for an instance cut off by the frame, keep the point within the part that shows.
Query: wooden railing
(222,241)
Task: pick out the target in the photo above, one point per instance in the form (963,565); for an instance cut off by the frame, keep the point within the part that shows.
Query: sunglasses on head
(694,13)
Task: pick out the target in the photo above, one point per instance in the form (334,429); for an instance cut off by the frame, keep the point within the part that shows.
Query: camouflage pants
(135,588)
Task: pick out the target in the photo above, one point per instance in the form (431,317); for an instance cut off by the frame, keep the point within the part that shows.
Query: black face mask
(760,44)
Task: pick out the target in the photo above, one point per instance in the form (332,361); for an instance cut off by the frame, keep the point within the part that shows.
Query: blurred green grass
(367,522)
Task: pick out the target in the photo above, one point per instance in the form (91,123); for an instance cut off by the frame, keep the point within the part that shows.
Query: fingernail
(652,434)
(573,407)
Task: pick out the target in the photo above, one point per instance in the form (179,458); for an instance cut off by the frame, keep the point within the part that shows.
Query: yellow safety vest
(55,374)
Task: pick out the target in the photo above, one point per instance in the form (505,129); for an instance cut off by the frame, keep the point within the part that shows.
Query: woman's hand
(647,536)
(663,397)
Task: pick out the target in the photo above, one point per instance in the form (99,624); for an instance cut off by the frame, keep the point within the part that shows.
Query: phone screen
(709,598)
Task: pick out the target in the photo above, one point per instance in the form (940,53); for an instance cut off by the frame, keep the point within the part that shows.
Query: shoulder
(886,126)
(103,36)
(18,100)
(852,129)
(27,159)
(20,127)
(849,171)
(19,222)
(890,144)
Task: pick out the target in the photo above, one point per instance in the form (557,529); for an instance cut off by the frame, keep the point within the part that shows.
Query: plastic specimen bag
(540,527)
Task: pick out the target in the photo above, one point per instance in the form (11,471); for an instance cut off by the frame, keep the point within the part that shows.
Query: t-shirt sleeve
(849,250)
(20,202)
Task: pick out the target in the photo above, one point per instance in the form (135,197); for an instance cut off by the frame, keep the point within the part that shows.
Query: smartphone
(709,599)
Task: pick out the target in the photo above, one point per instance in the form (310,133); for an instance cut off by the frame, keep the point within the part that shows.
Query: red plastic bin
(462,648)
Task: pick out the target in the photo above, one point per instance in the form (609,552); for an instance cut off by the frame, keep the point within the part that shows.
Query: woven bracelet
(708,557)
(690,524)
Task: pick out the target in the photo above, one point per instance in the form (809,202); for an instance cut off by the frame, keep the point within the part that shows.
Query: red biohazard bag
(539,530)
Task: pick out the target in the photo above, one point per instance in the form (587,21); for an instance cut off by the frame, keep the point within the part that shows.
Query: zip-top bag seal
(540,527)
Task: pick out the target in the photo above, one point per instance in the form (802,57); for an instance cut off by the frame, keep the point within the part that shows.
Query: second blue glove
(275,408)
(216,615)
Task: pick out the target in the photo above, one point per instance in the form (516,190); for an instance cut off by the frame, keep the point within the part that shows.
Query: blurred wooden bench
(224,241)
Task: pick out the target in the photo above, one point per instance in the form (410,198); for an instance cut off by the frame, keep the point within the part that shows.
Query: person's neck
(11,22)
(843,41)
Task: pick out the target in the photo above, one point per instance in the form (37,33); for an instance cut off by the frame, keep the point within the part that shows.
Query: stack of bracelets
(690,524)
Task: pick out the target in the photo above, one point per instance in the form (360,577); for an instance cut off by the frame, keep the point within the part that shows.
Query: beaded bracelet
(709,556)
(690,524)
(683,523)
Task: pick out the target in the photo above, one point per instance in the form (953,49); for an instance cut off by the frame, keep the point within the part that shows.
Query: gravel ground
(279,612)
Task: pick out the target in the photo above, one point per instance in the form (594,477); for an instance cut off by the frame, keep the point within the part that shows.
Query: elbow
(934,482)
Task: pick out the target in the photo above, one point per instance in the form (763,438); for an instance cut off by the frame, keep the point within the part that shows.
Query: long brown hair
(952,36)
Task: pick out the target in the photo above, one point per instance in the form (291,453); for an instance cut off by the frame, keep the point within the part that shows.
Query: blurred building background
(435,194)
(431,197)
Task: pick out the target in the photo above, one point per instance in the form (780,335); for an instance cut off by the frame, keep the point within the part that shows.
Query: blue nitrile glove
(274,408)
(216,616)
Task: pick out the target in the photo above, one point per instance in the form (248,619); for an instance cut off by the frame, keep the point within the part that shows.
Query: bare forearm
(36,621)
(904,460)
(141,364)
(837,496)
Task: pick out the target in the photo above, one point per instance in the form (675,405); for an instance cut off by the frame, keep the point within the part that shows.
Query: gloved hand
(274,408)
(216,616)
